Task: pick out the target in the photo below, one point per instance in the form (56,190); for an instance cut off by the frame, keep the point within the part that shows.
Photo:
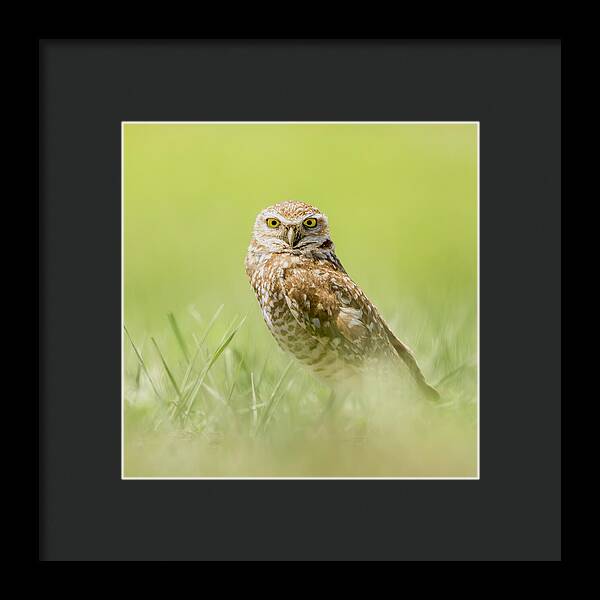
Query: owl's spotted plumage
(310,304)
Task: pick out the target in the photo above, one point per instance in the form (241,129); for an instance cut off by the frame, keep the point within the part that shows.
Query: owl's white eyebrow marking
(285,221)
(277,216)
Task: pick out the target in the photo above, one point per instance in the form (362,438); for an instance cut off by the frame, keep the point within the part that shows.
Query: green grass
(207,390)
(228,407)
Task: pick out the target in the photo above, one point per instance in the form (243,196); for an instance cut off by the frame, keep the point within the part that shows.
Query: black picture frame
(88,87)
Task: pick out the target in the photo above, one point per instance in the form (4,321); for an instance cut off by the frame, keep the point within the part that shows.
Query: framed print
(209,393)
(300,300)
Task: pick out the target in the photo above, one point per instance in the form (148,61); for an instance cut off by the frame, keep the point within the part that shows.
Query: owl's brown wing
(329,305)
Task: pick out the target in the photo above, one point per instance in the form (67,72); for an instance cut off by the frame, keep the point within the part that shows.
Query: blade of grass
(199,346)
(200,342)
(273,400)
(210,324)
(242,364)
(190,398)
(228,399)
(143,365)
(213,392)
(178,336)
(253,407)
(195,314)
(225,343)
(166,367)
(138,372)
(194,391)
(264,367)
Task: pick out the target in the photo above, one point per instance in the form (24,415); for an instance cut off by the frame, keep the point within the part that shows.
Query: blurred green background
(401,201)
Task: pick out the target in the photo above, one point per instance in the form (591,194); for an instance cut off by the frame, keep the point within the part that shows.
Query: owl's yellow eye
(310,223)
(273,223)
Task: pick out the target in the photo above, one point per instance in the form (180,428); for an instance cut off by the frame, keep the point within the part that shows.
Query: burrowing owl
(310,304)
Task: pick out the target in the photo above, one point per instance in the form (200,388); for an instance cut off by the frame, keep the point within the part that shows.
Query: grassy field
(207,391)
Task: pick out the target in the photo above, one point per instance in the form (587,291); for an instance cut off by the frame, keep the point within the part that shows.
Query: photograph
(300,300)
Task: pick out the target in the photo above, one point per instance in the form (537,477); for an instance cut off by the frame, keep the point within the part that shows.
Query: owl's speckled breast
(322,355)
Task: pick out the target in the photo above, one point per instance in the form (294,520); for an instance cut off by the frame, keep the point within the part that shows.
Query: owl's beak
(291,236)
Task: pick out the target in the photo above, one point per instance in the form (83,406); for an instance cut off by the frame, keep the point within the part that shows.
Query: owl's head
(291,227)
